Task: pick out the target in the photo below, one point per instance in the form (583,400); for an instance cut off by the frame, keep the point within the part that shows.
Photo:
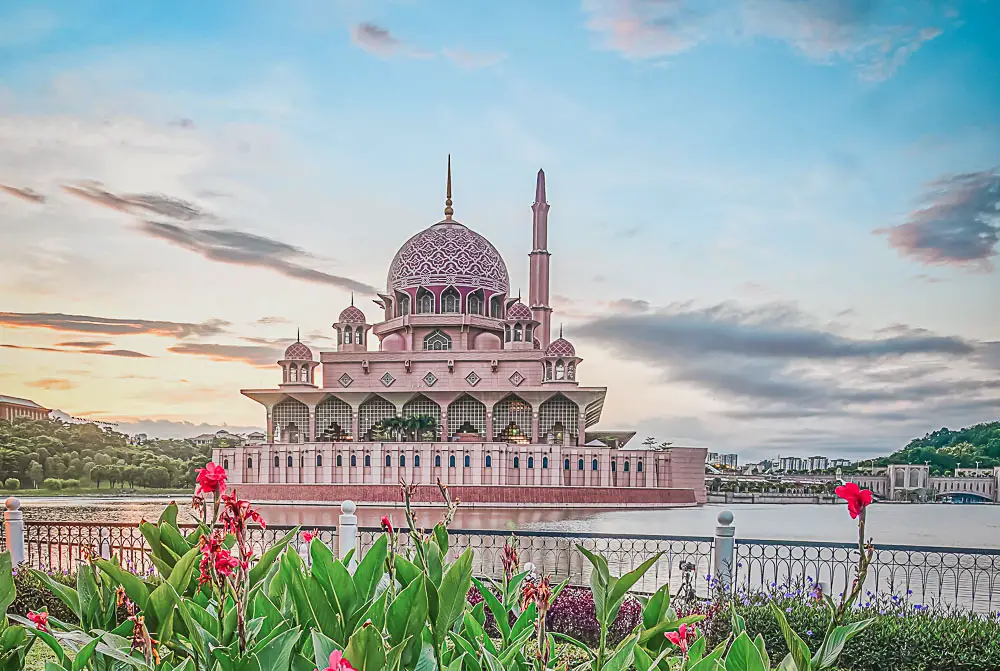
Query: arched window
(571,371)
(289,461)
(425,302)
(302,461)
(506,332)
(468,461)
(319,459)
(579,465)
(304,374)
(225,464)
(626,466)
(249,462)
(451,461)
(518,333)
(565,464)
(437,340)
(416,461)
(531,462)
(358,333)
(404,304)
(495,309)
(527,333)
(451,301)
(293,374)
(548,370)
(489,461)
(638,466)
(348,336)
(614,466)
(437,461)
(402,461)
(276,462)
(354,461)
(475,301)
(340,460)
(593,465)
(545,462)
(517,462)
(368,460)
(340,336)
(560,370)
(388,460)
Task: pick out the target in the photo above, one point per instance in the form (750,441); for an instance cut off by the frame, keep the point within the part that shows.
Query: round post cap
(13,503)
(348,507)
(725,518)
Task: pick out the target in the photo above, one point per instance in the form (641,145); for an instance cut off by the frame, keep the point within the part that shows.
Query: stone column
(270,426)
(536,438)
(489,424)
(444,425)
(582,426)
(312,424)
(355,425)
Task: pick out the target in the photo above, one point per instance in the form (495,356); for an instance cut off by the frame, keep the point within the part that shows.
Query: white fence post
(13,522)
(347,533)
(724,560)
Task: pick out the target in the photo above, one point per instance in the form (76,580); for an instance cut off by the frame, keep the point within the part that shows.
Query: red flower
(307,536)
(236,512)
(41,620)
(338,663)
(386,524)
(680,637)
(211,479)
(857,498)
(225,563)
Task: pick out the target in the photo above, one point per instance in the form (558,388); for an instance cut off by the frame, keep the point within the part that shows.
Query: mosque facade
(455,381)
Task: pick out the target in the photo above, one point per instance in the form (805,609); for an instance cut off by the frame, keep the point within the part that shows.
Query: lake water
(897,524)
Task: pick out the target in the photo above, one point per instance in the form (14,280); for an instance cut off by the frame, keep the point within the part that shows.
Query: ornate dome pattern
(518,311)
(297,351)
(560,347)
(352,315)
(448,253)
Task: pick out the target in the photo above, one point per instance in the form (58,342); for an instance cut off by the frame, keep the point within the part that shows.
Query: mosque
(465,384)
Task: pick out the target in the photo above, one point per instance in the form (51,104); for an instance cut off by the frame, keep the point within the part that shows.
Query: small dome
(518,311)
(297,351)
(352,315)
(560,347)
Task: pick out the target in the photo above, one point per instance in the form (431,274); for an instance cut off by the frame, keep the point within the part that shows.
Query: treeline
(945,450)
(52,453)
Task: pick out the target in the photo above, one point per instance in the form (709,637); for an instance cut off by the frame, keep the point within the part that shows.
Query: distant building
(12,407)
(724,460)
(818,464)
(256,438)
(221,434)
(139,438)
(792,464)
(904,482)
(840,463)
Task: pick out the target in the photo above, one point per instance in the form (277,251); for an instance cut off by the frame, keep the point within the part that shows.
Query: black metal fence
(967,578)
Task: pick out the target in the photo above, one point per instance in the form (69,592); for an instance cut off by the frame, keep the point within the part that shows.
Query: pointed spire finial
(540,187)
(298,334)
(448,210)
(352,299)
(560,329)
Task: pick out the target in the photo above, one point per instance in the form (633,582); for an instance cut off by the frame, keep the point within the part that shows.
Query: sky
(774,223)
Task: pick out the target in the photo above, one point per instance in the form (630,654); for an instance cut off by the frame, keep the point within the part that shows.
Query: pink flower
(41,620)
(211,479)
(338,663)
(680,637)
(386,524)
(307,536)
(857,498)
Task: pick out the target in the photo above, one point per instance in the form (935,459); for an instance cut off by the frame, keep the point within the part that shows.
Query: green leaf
(323,612)
(371,569)
(622,659)
(435,562)
(600,583)
(666,626)
(7,590)
(407,614)
(170,538)
(180,576)
(575,643)
(82,657)
(260,570)
(426,662)
(276,653)
(64,593)
(169,515)
(744,656)
(758,642)
(655,607)
(88,595)
(365,651)
(525,621)
(499,613)
(441,537)
(798,650)
(739,625)
(829,651)
(406,571)
(625,583)
(134,588)
(454,590)
(322,647)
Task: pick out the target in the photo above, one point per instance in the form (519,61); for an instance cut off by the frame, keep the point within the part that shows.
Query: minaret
(538,292)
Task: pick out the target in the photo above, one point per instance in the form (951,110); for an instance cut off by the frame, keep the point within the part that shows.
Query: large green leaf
(366,651)
(371,569)
(407,614)
(89,597)
(406,571)
(170,538)
(655,607)
(276,654)
(493,603)
(600,583)
(829,651)
(136,589)
(798,650)
(262,566)
(7,590)
(323,613)
(63,592)
(454,591)
(758,642)
(322,647)
(82,657)
(744,656)
(625,583)
(435,562)
(169,515)
(622,659)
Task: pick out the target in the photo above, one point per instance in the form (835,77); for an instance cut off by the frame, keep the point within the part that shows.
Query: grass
(94,491)
(36,659)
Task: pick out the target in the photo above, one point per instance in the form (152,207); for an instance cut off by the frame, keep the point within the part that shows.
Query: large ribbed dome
(448,253)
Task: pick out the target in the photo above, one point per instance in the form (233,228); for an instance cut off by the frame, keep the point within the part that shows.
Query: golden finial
(448,211)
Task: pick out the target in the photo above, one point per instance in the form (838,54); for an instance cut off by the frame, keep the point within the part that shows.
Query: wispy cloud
(959,225)
(259,356)
(57,321)
(29,195)
(140,204)
(469,60)
(52,384)
(379,41)
(126,353)
(876,38)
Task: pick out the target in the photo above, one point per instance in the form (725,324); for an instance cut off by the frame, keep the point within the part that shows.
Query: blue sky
(774,222)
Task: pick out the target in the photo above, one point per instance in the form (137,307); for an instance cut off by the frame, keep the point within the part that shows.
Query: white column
(347,533)
(13,522)
(724,560)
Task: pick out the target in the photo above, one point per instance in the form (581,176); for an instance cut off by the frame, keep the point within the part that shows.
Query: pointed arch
(559,416)
(333,420)
(451,301)
(474,302)
(496,306)
(402,304)
(421,406)
(291,421)
(437,340)
(371,412)
(467,415)
(512,420)
(425,302)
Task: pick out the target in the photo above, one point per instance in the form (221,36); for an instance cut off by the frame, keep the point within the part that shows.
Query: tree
(157,476)
(649,442)
(132,473)
(98,473)
(12,484)
(35,473)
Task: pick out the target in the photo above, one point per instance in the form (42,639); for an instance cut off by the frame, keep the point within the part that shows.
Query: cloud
(247,249)
(57,321)
(633,305)
(468,60)
(272,320)
(959,225)
(85,343)
(259,356)
(141,204)
(157,427)
(127,353)
(876,36)
(29,195)
(52,384)
(379,41)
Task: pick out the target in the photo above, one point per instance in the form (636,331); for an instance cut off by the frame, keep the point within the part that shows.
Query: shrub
(52,483)
(70,484)
(12,484)
(32,595)
(573,613)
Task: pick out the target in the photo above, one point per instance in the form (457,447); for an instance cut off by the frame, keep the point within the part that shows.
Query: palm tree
(391,427)
(421,425)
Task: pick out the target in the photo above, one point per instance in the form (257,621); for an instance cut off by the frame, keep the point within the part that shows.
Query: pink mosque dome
(448,253)
(518,311)
(560,347)
(297,351)
(352,315)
